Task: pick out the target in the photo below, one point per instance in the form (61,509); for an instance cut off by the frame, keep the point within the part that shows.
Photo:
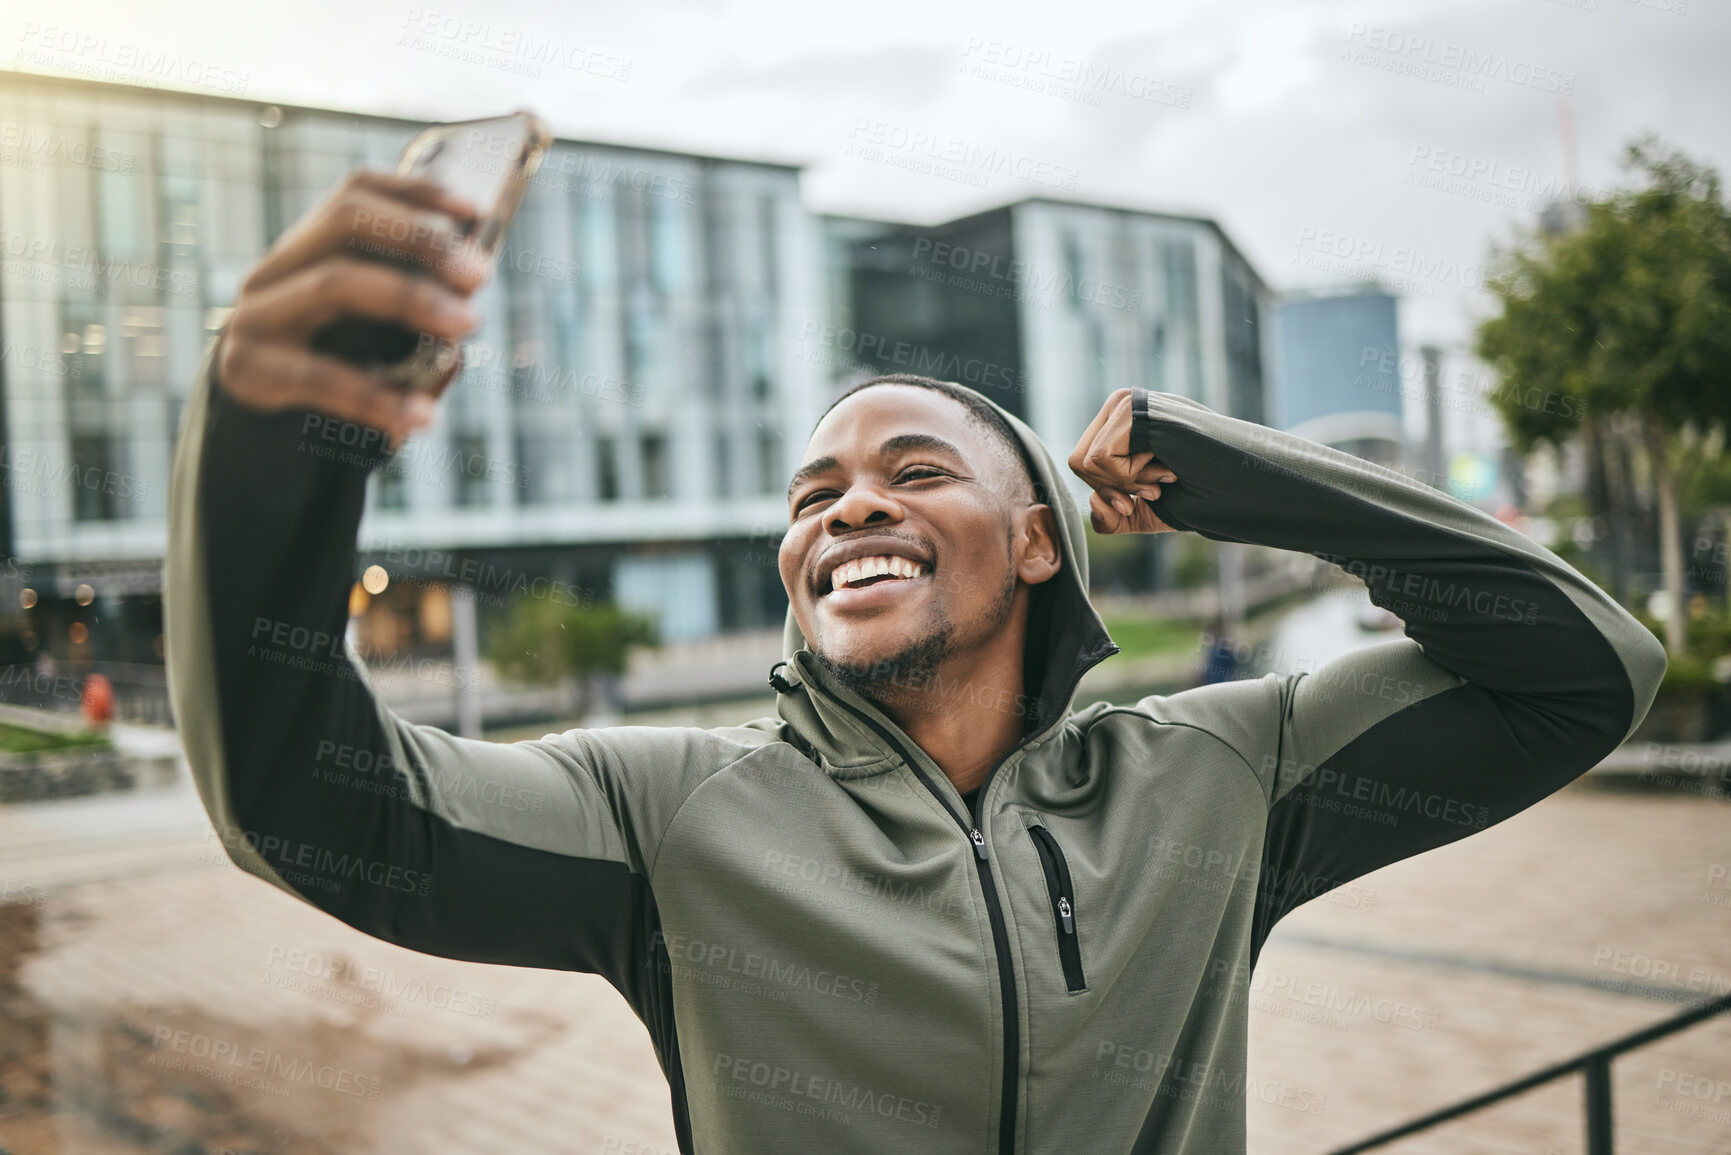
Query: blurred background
(1486,246)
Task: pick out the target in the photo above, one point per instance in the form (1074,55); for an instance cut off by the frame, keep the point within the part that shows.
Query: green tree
(582,647)
(1628,317)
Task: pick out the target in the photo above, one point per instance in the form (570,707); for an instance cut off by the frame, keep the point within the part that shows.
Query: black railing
(1594,1064)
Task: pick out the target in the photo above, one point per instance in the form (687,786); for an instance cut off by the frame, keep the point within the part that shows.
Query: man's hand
(330,264)
(1102,458)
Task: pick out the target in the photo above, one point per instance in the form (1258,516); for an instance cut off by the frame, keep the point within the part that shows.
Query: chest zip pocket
(1063,897)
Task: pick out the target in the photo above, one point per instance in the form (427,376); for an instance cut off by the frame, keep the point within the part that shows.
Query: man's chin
(883,671)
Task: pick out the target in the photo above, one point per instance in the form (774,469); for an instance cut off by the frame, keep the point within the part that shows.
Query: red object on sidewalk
(98,700)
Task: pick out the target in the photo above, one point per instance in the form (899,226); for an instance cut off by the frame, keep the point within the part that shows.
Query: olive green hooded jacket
(829,952)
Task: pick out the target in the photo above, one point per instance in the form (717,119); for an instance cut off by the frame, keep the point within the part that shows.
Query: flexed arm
(1518,676)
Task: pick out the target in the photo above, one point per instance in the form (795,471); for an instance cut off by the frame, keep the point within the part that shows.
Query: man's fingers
(437,389)
(1106,519)
(338,287)
(279,375)
(427,193)
(360,220)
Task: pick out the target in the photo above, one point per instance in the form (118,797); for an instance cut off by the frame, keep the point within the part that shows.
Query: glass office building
(625,423)
(663,331)
(1342,377)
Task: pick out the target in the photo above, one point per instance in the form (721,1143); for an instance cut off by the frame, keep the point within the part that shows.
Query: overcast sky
(1306,127)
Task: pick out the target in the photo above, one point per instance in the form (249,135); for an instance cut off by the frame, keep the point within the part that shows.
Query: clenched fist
(382,247)
(1120,480)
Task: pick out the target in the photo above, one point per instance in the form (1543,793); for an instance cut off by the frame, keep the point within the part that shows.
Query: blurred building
(663,331)
(1341,375)
(629,414)
(1048,306)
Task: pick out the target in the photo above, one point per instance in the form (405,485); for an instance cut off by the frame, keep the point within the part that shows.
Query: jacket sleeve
(533,853)
(1517,676)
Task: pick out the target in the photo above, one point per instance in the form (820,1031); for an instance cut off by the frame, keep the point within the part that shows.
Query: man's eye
(814,495)
(919,472)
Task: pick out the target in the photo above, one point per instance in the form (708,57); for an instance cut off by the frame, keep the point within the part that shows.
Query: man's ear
(1037,553)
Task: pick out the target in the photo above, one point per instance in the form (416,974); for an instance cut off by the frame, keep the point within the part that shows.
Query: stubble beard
(906,677)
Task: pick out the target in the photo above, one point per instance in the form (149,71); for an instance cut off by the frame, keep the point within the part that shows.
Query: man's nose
(863,504)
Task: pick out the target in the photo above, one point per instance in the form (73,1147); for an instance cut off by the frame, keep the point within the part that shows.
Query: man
(930,906)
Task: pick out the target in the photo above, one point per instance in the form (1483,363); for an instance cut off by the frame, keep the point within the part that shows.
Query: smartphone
(487,162)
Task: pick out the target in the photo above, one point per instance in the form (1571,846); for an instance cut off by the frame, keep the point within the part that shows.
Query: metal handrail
(1594,1064)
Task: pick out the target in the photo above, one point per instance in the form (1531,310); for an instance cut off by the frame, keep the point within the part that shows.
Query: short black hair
(980,411)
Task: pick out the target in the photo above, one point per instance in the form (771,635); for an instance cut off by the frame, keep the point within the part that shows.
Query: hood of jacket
(1065,638)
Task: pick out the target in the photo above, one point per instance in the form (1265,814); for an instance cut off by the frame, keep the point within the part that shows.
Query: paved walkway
(154,999)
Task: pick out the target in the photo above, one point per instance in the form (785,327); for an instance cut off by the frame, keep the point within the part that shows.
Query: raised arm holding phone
(931,906)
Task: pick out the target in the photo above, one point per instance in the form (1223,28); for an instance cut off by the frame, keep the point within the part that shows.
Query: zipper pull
(1066,915)
(979,841)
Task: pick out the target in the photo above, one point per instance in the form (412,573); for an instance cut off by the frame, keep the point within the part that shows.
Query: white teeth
(868,567)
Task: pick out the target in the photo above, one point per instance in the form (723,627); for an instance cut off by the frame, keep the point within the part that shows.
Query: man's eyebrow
(806,472)
(900,443)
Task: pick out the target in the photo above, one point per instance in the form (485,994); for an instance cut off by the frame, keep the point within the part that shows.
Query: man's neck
(965,719)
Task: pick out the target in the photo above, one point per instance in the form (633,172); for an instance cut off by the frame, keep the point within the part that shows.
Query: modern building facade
(1342,377)
(623,428)
(1047,307)
(663,331)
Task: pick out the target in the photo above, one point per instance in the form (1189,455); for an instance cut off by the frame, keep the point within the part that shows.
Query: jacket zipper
(1063,897)
(1000,936)
(971,826)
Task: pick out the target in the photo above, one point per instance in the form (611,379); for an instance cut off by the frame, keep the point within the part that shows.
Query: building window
(769,477)
(1073,270)
(723,465)
(656,482)
(770,241)
(607,468)
(94,478)
(471,464)
(393,489)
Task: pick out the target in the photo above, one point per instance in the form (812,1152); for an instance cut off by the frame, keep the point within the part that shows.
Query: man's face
(909,525)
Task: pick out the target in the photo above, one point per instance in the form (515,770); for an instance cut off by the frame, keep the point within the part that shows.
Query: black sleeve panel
(280,516)
(1518,677)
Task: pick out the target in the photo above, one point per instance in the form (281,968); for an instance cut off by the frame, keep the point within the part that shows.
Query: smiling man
(930,906)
